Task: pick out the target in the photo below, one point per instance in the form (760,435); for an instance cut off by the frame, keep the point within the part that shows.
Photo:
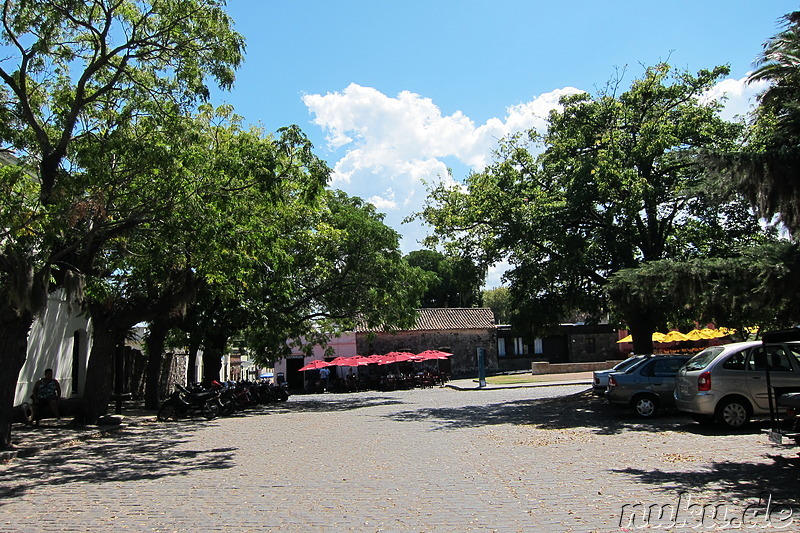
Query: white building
(59,339)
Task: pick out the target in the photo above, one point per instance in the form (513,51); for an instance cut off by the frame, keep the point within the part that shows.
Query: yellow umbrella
(673,336)
(724,332)
(697,335)
(657,336)
(711,333)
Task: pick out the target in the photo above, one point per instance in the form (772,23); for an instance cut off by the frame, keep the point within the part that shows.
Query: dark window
(775,356)
(704,358)
(666,367)
(736,361)
(591,346)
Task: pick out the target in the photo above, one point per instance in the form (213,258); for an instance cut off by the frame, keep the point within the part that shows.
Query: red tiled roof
(448,318)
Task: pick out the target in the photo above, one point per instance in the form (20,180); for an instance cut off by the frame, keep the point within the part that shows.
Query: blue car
(648,385)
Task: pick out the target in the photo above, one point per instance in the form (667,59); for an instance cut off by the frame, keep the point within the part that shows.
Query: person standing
(325,377)
(46,391)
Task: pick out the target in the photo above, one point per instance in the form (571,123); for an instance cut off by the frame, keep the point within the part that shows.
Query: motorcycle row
(221,399)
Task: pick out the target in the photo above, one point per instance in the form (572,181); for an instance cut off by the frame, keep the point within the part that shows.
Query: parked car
(600,381)
(728,383)
(648,385)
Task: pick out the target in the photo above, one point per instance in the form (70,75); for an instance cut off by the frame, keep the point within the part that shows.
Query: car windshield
(627,363)
(636,364)
(704,358)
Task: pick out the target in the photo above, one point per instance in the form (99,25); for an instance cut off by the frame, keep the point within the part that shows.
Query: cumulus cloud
(737,96)
(392,146)
(387,148)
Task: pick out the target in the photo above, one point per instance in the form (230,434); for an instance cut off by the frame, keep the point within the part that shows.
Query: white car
(729,383)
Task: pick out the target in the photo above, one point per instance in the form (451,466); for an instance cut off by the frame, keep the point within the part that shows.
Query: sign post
(481,367)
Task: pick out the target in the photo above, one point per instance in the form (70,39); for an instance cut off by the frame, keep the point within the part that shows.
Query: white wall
(52,344)
(343,346)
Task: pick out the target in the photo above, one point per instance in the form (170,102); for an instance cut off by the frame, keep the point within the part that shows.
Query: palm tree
(767,169)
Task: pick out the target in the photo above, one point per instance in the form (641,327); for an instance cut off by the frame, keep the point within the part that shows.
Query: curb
(521,386)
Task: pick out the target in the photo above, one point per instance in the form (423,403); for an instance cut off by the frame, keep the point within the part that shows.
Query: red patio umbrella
(396,357)
(356,360)
(315,365)
(431,354)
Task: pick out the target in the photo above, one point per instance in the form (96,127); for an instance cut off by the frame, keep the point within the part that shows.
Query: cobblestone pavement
(534,459)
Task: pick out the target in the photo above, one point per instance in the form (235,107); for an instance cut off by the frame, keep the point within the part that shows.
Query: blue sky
(393,93)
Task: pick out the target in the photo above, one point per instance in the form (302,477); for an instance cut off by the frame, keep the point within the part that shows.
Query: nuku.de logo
(688,512)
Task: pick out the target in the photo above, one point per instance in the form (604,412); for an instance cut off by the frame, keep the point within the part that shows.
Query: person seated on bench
(46,391)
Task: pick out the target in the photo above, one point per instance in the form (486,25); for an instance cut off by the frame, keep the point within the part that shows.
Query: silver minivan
(728,383)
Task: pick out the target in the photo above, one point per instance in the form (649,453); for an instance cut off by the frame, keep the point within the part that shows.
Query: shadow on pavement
(579,410)
(745,481)
(339,402)
(148,451)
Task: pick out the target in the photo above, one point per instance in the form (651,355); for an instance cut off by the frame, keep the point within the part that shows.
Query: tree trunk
(642,329)
(13,351)
(155,349)
(213,350)
(97,393)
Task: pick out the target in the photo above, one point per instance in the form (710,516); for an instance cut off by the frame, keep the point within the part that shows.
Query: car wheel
(645,406)
(734,413)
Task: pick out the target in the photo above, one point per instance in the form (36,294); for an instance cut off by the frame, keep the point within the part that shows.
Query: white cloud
(393,145)
(494,276)
(738,97)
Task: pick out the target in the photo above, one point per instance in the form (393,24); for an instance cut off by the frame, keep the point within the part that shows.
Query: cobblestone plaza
(526,459)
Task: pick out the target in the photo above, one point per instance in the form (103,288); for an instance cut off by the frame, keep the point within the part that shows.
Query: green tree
(611,189)
(343,266)
(452,281)
(499,301)
(766,169)
(754,288)
(221,192)
(73,72)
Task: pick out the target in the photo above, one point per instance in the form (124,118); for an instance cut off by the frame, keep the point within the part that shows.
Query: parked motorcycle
(233,396)
(184,403)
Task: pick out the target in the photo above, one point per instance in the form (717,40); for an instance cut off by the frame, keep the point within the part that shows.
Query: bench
(67,407)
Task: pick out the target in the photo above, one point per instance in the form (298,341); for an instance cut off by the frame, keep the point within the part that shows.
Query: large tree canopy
(767,169)
(452,281)
(758,287)
(610,189)
(72,73)
(341,266)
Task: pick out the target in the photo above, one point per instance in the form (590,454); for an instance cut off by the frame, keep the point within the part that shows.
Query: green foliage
(499,301)
(614,185)
(765,170)
(93,96)
(452,281)
(756,288)
(342,265)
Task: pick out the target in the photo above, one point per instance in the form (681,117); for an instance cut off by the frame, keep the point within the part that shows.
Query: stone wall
(463,344)
(592,347)
(543,367)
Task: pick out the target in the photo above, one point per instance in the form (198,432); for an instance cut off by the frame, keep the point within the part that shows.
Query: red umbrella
(396,357)
(315,365)
(356,360)
(432,354)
